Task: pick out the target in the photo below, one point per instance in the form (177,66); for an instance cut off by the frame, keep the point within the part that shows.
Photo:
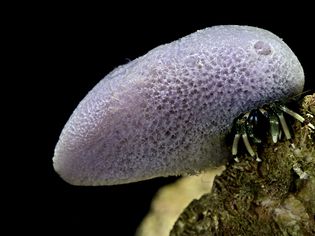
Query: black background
(67,50)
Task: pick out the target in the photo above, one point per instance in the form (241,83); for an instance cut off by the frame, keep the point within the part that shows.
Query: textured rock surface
(273,197)
(167,112)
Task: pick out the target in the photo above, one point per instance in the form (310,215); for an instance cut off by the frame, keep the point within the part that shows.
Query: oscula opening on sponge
(168,112)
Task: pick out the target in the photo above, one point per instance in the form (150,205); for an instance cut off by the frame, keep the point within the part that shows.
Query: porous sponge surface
(167,112)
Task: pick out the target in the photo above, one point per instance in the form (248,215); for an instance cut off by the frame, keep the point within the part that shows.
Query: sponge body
(168,112)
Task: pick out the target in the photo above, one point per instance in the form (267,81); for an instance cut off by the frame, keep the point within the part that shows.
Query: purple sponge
(167,112)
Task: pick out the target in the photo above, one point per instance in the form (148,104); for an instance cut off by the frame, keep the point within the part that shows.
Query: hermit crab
(248,126)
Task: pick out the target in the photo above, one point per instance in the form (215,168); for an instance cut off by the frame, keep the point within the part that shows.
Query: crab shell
(167,112)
